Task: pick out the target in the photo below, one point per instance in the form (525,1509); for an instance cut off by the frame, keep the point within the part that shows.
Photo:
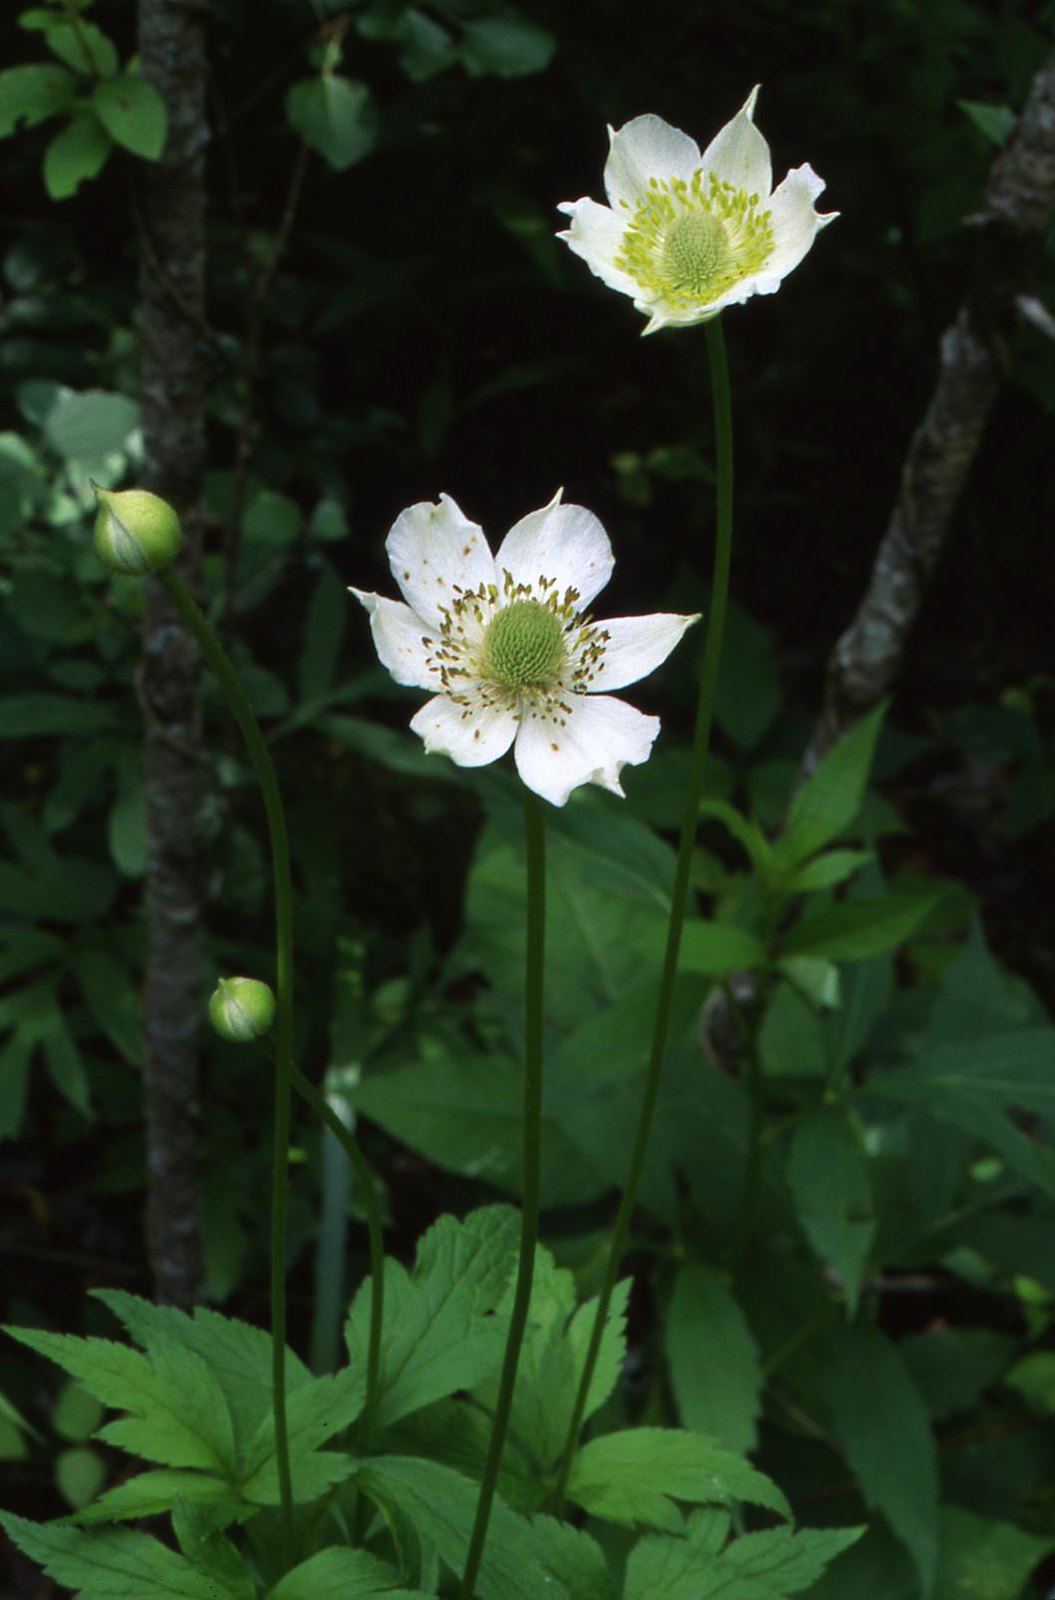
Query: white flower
(505,642)
(685,234)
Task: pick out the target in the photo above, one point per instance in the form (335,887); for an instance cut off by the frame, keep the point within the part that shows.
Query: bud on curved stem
(241,1009)
(136,532)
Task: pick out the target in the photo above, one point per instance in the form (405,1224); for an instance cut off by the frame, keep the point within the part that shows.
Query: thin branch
(1009,233)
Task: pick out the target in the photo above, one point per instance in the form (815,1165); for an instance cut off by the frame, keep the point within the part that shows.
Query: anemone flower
(506,645)
(685,234)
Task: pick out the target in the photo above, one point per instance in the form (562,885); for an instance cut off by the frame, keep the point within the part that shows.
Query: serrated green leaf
(315,1411)
(77,152)
(83,426)
(882,1427)
(830,799)
(341,1574)
(335,116)
(31,94)
(700,1565)
(829,1180)
(152,1494)
(573,1558)
(111,1564)
(715,1371)
(982,1559)
(635,1477)
(440,1505)
(744,831)
(854,930)
(440,1334)
(133,114)
(177,1412)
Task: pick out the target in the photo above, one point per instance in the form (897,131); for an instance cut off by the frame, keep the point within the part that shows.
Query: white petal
(635,647)
(642,149)
(739,154)
(473,736)
(402,640)
(433,548)
(597,739)
(596,234)
(566,544)
(794,220)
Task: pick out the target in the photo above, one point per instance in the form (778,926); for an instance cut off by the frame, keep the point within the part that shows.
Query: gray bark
(174,372)
(1009,233)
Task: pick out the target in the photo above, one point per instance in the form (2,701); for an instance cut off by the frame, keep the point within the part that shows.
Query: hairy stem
(535,838)
(723,427)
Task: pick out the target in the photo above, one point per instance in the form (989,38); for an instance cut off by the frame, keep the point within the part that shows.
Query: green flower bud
(241,1009)
(135,532)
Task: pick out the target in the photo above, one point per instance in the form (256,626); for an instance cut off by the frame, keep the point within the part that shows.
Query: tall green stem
(283,890)
(723,431)
(535,839)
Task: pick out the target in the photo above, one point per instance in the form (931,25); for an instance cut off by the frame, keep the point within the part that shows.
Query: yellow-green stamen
(687,243)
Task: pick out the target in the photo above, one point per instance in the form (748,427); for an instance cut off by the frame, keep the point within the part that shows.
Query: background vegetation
(867,1308)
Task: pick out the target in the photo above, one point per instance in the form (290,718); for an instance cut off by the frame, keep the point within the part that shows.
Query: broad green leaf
(440,1506)
(81,45)
(952,1367)
(1034,1378)
(127,824)
(828,1177)
(112,999)
(996,122)
(881,1425)
(982,1559)
(111,1563)
(80,1473)
(342,1574)
(335,116)
(854,930)
(315,1411)
(464,1110)
(791,1038)
(715,1371)
(507,47)
(713,948)
(133,114)
(440,1331)
(65,1063)
(177,1414)
(830,799)
(76,153)
(31,94)
(83,426)
(825,871)
(635,1476)
(970,1084)
(39,716)
(324,627)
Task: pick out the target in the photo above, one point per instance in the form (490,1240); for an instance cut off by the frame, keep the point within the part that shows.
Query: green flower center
(687,243)
(695,252)
(524,645)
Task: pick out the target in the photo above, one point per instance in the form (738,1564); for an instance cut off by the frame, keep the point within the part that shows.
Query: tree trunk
(1010,230)
(174,371)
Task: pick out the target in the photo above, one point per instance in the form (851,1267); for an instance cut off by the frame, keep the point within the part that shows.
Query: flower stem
(325,1112)
(723,429)
(283,891)
(535,839)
